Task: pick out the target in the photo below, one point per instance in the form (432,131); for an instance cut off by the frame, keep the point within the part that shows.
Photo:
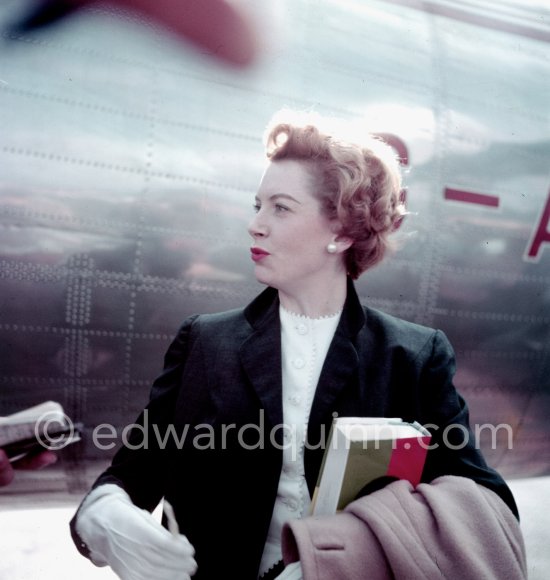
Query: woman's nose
(257,227)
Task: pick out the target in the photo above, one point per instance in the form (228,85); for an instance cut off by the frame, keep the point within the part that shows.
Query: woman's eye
(280,208)
(256,207)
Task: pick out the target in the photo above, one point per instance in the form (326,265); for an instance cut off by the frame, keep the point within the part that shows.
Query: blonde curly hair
(358,183)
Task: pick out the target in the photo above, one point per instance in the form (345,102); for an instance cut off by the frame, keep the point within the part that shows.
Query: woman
(254,390)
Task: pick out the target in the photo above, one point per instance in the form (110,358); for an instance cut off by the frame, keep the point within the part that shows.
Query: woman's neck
(317,301)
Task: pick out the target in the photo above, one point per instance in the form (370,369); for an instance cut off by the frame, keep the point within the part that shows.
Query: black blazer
(221,390)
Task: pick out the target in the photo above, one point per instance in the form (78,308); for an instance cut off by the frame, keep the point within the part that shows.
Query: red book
(362,449)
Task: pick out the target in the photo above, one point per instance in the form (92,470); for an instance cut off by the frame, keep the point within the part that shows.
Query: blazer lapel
(260,354)
(341,363)
(340,366)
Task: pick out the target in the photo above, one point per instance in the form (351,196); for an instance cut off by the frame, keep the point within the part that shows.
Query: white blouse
(304,346)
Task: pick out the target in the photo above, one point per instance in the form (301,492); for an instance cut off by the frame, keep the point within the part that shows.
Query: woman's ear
(343,243)
(340,242)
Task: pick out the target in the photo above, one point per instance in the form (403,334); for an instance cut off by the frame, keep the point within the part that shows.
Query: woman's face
(289,230)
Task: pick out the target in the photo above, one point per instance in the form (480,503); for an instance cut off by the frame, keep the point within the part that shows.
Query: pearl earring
(331,248)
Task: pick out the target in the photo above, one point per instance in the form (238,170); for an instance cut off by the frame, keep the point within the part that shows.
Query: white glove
(130,540)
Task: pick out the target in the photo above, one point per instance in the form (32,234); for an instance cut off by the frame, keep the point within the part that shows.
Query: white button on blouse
(302,328)
(299,363)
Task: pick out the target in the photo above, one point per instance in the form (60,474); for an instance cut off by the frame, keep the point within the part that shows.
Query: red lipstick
(258,254)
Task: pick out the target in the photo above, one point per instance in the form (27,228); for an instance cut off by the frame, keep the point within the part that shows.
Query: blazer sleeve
(140,464)
(453,447)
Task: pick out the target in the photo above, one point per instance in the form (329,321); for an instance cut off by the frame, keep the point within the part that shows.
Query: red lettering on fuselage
(541,236)
(471,197)
(397,144)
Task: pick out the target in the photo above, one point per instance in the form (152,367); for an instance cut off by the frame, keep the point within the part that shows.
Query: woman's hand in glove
(131,540)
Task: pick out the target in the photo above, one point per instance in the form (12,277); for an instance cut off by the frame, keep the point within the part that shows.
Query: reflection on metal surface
(128,170)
